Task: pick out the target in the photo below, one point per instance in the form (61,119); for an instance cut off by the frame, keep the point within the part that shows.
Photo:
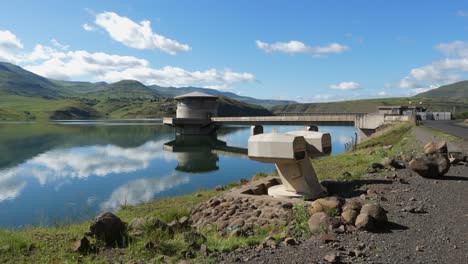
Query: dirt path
(438,236)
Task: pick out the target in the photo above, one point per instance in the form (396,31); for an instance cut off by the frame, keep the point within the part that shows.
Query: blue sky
(309,51)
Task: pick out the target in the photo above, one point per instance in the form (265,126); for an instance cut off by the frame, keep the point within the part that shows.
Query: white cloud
(457,48)
(10,46)
(345,86)
(58,62)
(59,45)
(175,76)
(295,46)
(441,72)
(88,27)
(137,35)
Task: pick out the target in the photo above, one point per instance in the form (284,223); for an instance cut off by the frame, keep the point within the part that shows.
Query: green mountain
(27,96)
(456,91)
(172,92)
(17,81)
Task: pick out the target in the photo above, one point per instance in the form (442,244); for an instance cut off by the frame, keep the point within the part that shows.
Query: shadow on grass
(350,189)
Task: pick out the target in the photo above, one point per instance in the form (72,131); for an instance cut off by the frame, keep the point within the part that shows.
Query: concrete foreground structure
(291,155)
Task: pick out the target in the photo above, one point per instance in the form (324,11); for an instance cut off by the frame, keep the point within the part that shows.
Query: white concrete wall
(370,121)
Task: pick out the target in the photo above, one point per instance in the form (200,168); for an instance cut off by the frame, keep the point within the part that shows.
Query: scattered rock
(436,147)
(204,250)
(370,217)
(327,238)
(430,167)
(289,241)
(319,222)
(326,204)
(375,211)
(219,188)
(109,228)
(387,147)
(349,216)
(331,258)
(237,223)
(82,245)
(364,221)
(236,233)
(352,205)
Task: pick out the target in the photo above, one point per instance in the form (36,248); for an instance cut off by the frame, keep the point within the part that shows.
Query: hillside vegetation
(27,96)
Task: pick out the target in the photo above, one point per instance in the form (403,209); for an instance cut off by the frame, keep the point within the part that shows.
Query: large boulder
(109,228)
(431,166)
(436,147)
(371,216)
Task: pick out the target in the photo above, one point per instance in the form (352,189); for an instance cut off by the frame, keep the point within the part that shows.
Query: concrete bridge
(196,115)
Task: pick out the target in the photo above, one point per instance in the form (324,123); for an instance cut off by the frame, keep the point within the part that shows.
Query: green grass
(357,162)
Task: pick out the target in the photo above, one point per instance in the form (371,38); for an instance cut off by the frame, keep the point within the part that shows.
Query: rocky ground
(428,222)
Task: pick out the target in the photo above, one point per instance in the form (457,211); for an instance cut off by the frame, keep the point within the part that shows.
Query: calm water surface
(72,170)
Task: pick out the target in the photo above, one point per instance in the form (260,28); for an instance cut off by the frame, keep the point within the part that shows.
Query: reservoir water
(63,172)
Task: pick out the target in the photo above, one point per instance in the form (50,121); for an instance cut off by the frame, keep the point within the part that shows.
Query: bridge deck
(334,119)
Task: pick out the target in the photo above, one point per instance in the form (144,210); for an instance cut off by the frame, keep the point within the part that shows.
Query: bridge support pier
(255,130)
(364,134)
(311,128)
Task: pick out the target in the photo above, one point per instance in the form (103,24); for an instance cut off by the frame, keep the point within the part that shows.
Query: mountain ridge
(28,96)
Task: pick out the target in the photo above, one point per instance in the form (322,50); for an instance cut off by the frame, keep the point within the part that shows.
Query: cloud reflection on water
(61,165)
(141,190)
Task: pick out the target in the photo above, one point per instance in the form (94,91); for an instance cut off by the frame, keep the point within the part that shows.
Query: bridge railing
(317,113)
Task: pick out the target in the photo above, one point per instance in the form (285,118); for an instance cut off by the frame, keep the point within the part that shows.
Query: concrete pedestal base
(280,191)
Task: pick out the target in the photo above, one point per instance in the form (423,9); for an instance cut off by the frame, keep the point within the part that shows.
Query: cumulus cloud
(57,61)
(345,86)
(295,46)
(137,35)
(10,46)
(445,71)
(175,76)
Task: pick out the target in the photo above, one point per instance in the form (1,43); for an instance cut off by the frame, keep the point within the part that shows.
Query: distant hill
(457,91)
(124,89)
(458,106)
(172,92)
(28,96)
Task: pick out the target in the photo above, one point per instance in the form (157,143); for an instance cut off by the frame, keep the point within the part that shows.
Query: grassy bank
(54,244)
